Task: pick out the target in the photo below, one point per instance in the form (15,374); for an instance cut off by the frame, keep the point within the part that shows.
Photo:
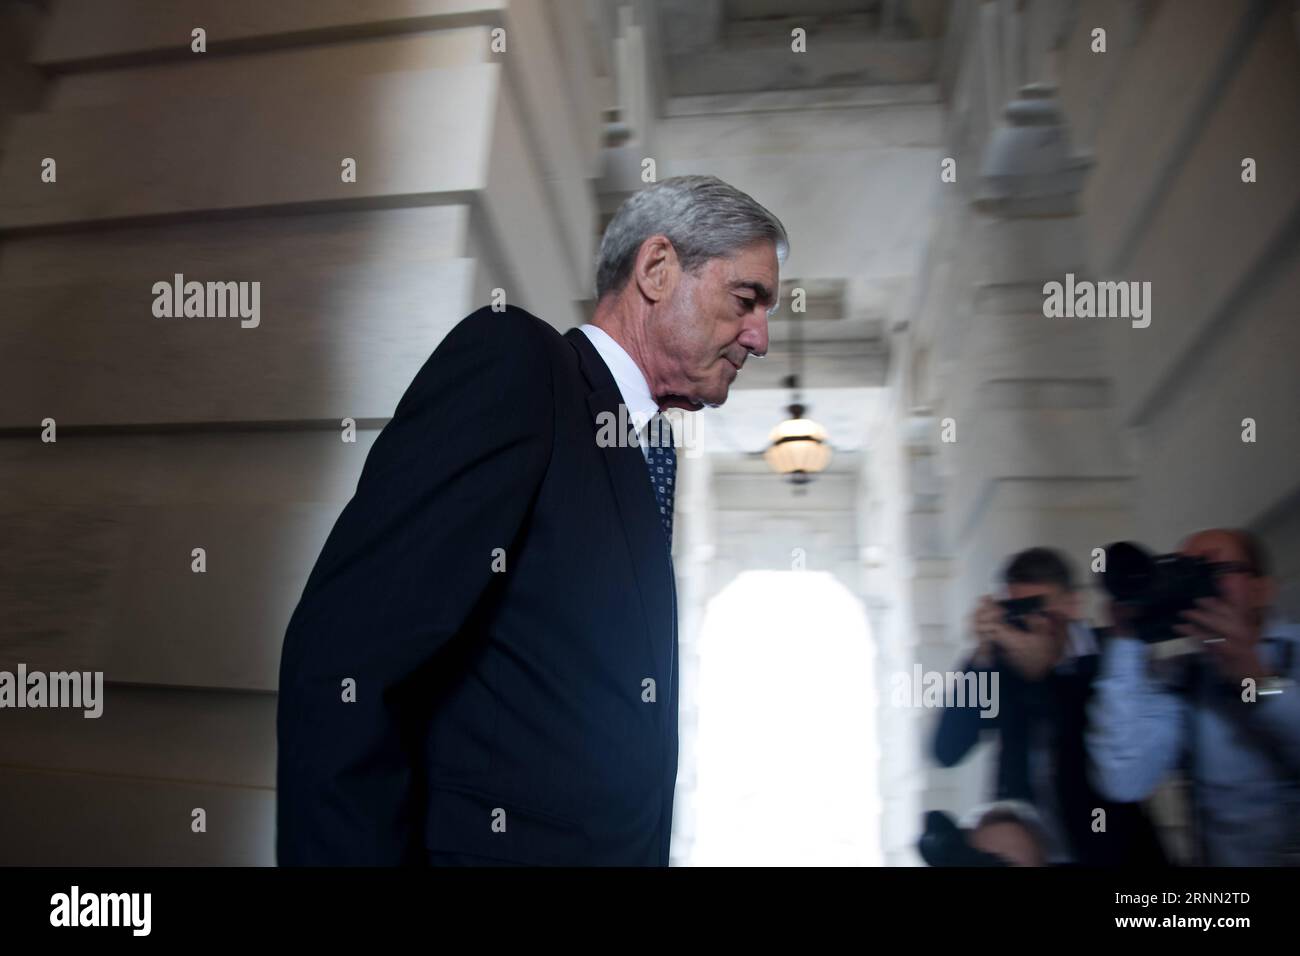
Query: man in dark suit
(1047,666)
(482,667)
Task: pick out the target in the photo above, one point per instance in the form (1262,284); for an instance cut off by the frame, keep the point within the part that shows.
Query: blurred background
(492,140)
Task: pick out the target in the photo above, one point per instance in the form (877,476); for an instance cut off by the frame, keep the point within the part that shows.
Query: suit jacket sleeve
(450,478)
(959,728)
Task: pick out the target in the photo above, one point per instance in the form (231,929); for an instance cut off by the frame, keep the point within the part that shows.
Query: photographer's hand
(987,623)
(1229,638)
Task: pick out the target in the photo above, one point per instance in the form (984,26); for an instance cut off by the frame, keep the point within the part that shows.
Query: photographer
(1046,660)
(1230,714)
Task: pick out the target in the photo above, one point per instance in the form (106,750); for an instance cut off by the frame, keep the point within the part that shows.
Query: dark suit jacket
(482,697)
(1058,705)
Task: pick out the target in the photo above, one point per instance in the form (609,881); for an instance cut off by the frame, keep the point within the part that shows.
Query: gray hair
(703,217)
(1009,811)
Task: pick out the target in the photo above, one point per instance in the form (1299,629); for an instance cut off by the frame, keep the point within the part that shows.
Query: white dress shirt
(641,406)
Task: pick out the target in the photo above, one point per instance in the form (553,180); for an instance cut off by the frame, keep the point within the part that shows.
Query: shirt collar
(641,406)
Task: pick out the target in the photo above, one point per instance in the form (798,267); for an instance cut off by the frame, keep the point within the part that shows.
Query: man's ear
(656,267)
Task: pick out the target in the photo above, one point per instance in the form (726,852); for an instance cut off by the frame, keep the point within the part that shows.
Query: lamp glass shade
(798,446)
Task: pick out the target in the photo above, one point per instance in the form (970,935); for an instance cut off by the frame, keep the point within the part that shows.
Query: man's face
(711,324)
(1242,590)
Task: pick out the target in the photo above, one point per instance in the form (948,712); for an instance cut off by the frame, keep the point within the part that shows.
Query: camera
(1017,610)
(1156,589)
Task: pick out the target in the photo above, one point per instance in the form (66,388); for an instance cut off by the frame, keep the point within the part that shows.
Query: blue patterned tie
(661,460)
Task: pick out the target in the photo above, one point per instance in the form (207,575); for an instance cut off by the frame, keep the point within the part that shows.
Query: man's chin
(688,404)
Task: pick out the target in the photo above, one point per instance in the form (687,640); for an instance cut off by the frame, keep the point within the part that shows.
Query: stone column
(1027,436)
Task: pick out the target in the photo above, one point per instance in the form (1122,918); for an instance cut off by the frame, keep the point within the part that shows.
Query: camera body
(1017,610)
(1156,589)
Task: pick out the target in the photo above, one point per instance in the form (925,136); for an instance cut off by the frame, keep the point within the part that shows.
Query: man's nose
(754,335)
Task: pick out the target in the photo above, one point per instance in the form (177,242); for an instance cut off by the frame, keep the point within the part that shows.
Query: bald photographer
(1201,675)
